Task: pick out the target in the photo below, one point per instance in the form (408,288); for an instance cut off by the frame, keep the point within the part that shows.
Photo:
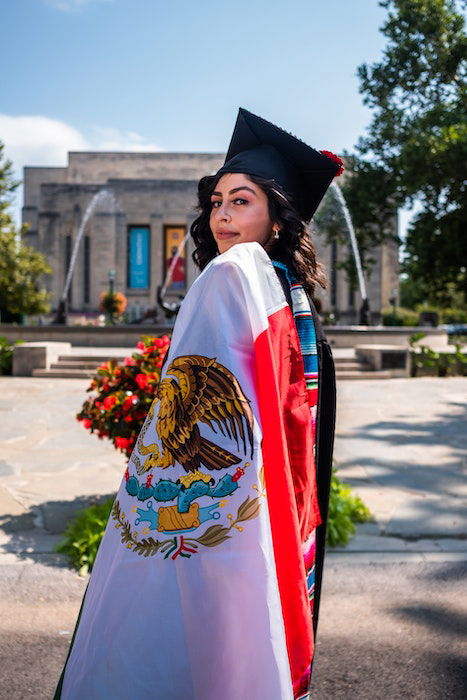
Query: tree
(416,145)
(21,267)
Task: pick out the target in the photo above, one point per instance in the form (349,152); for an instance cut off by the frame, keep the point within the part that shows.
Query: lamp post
(111,294)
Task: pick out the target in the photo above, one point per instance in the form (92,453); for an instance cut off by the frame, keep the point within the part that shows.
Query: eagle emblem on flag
(198,389)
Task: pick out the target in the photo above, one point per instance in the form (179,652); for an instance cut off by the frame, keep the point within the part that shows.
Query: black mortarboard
(260,148)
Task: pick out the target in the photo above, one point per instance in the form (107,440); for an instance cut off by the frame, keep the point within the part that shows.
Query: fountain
(365,307)
(101,197)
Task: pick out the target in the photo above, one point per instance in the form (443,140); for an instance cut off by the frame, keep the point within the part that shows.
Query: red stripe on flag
(277,352)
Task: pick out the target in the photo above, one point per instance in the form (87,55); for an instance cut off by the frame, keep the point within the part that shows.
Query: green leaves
(344,511)
(418,141)
(83,536)
(21,266)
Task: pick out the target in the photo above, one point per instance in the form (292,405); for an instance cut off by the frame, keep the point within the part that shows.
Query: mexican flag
(199,589)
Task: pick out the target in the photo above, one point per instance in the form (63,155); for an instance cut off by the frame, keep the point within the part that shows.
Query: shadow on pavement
(436,480)
(446,622)
(448,572)
(443,428)
(349,669)
(34,535)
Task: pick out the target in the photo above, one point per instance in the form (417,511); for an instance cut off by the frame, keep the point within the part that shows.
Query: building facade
(131,212)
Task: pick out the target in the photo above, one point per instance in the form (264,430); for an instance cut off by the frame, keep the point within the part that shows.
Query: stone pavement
(402,445)
(393,614)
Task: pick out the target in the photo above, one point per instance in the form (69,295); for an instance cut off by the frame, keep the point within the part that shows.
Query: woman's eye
(216,204)
(239,200)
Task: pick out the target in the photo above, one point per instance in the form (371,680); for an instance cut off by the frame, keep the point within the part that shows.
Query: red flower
(140,345)
(109,401)
(87,423)
(141,380)
(129,362)
(128,418)
(122,442)
(129,402)
(165,339)
(150,349)
(336,159)
(158,342)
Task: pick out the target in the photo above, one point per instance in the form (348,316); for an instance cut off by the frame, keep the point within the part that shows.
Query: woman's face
(239,213)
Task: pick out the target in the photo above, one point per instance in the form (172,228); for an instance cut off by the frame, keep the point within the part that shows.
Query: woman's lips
(223,235)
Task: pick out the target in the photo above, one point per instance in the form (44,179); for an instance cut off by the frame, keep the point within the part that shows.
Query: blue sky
(154,75)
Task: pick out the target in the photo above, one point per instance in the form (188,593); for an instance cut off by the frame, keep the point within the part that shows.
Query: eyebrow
(235,189)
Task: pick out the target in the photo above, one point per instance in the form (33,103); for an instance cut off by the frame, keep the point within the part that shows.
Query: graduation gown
(199,587)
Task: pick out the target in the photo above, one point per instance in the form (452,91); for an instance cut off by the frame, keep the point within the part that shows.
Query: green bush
(345,510)
(438,364)
(83,536)
(445,314)
(84,533)
(6,354)
(425,360)
(403,317)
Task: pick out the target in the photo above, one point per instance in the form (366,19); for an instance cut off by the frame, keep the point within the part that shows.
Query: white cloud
(38,140)
(71,5)
(109,139)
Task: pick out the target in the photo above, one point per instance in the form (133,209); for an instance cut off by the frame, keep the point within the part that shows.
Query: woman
(203,585)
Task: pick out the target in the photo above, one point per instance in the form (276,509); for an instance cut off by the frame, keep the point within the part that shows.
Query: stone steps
(362,374)
(64,373)
(349,366)
(77,366)
(84,366)
(352,366)
(95,359)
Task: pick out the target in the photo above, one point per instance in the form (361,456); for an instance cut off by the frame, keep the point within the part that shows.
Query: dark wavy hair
(294,246)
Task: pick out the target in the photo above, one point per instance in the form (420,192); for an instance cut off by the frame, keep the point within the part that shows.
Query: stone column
(103,252)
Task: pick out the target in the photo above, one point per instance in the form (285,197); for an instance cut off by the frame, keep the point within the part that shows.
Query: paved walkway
(393,613)
(402,444)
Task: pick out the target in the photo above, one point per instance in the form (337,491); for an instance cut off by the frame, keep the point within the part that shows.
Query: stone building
(134,233)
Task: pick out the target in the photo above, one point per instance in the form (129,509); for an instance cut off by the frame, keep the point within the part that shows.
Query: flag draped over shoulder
(199,588)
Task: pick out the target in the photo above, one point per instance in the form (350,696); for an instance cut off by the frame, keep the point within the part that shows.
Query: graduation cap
(260,148)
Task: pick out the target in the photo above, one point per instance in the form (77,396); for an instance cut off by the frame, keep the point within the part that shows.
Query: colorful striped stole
(303,318)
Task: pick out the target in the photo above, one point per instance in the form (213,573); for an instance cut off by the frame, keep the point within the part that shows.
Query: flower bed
(123,393)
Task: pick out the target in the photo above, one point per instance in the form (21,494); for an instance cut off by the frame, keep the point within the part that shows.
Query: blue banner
(138,258)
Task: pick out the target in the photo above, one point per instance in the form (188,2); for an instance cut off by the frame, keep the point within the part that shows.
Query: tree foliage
(416,145)
(21,267)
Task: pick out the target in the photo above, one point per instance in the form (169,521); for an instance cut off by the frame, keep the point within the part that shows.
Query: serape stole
(303,318)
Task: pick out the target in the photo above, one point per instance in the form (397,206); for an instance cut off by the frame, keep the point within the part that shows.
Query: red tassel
(336,159)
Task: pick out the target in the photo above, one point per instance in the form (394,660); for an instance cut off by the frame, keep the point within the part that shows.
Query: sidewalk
(401,444)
